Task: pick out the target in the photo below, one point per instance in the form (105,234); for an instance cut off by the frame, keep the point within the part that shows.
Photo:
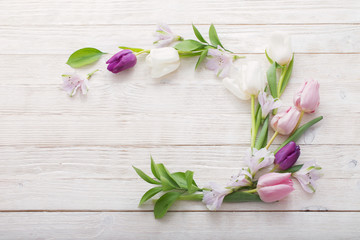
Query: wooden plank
(208,162)
(177,226)
(337,38)
(84,194)
(199,92)
(92,12)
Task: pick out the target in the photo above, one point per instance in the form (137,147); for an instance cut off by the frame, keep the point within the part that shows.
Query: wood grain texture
(66,162)
(184,225)
(93,12)
(331,38)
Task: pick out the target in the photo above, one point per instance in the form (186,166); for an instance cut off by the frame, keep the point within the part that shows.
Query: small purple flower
(219,61)
(267,103)
(121,61)
(214,197)
(286,157)
(72,82)
(307,176)
(164,36)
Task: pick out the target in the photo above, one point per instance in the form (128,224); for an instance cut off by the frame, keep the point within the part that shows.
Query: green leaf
(271,78)
(214,39)
(154,168)
(166,174)
(180,179)
(201,58)
(269,58)
(135,50)
(149,194)
(242,197)
(293,169)
(189,45)
(262,138)
(297,134)
(198,34)
(189,175)
(287,76)
(165,201)
(145,177)
(83,57)
(166,185)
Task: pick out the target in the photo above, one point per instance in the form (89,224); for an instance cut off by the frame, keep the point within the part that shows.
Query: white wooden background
(65,163)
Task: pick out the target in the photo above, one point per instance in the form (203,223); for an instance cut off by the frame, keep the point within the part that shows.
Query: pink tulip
(273,187)
(285,122)
(307,99)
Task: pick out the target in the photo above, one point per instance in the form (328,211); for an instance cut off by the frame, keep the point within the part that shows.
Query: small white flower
(267,103)
(246,80)
(164,36)
(219,61)
(307,176)
(214,197)
(162,61)
(71,83)
(279,49)
(242,179)
(258,159)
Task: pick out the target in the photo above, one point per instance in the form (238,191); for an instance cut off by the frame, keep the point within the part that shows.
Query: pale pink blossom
(307,99)
(214,197)
(307,176)
(219,61)
(164,36)
(267,103)
(273,187)
(285,121)
(242,179)
(258,159)
(71,83)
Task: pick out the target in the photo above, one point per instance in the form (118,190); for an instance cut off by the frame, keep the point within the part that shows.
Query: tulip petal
(274,193)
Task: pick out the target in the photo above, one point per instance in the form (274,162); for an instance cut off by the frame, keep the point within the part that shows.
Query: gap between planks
(175,211)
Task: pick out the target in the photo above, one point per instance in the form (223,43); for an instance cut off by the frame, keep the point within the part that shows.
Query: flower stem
(92,73)
(272,139)
(251,191)
(274,168)
(191,197)
(298,123)
(253,123)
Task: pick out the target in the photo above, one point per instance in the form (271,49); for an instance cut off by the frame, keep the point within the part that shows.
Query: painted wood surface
(66,162)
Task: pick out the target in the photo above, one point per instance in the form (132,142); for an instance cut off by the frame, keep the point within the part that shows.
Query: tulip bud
(307,99)
(273,187)
(285,122)
(163,61)
(279,49)
(286,157)
(121,61)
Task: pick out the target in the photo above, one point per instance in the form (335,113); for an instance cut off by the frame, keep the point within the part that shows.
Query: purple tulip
(287,156)
(121,61)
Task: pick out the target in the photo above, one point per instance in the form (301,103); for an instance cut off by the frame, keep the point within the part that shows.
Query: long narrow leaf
(189,175)
(297,134)
(154,169)
(165,201)
(145,177)
(262,138)
(149,194)
(242,197)
(214,38)
(269,58)
(272,81)
(201,58)
(198,34)
(287,76)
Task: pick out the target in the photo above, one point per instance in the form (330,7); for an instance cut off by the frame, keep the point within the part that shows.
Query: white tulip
(246,80)
(162,61)
(279,49)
